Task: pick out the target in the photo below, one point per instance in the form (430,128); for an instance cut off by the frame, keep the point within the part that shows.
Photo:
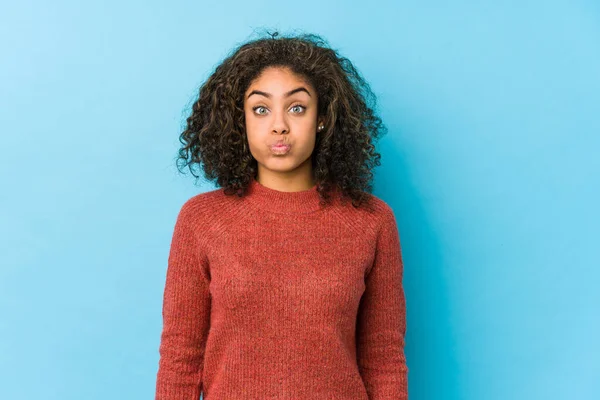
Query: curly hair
(344,153)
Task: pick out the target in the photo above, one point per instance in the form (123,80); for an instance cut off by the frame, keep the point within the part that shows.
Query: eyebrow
(288,94)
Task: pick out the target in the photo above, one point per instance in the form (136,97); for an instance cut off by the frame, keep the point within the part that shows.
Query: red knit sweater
(273,296)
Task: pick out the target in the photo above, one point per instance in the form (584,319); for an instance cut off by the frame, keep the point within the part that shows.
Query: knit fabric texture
(274,296)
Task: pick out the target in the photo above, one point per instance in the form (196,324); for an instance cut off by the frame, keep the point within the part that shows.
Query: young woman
(285,283)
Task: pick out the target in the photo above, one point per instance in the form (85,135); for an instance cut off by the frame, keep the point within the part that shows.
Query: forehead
(278,80)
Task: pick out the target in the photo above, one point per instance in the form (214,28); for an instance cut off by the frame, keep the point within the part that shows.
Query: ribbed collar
(283,202)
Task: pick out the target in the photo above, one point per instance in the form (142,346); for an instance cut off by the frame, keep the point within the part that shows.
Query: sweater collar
(283,202)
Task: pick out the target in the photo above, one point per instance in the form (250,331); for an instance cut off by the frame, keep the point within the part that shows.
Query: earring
(320,128)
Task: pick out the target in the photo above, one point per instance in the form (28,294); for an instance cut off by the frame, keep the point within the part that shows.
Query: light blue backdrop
(490,164)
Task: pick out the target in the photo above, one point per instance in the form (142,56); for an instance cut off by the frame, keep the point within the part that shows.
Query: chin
(281,166)
(284,163)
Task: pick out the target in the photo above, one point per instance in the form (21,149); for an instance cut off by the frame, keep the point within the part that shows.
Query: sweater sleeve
(381,323)
(185,313)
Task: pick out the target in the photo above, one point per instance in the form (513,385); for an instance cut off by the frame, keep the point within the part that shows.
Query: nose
(280,124)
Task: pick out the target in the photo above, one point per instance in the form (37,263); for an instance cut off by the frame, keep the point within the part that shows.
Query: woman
(285,283)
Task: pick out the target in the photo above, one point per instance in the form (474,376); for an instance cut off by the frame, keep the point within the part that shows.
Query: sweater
(273,295)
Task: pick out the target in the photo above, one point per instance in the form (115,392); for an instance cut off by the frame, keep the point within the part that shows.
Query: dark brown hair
(344,153)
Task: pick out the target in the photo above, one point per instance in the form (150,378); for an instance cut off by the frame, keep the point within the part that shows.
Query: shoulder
(368,219)
(382,214)
(204,204)
(211,207)
(381,208)
(201,201)
(201,215)
(378,210)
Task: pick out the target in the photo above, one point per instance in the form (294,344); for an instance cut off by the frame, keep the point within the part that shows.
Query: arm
(381,323)
(185,312)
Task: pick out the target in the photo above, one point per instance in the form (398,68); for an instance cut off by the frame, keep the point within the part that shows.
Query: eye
(298,106)
(258,107)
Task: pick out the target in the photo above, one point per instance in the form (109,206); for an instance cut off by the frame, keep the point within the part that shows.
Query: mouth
(280,148)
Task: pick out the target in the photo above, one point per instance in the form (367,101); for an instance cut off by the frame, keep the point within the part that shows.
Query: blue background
(490,164)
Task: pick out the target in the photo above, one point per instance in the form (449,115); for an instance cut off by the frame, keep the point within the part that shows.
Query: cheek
(308,144)
(252,127)
(255,137)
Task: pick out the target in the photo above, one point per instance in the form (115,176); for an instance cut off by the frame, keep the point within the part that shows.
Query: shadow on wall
(430,339)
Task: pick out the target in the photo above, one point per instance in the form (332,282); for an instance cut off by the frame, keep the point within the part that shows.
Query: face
(280,107)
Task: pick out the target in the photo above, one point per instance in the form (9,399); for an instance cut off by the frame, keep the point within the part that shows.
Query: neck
(283,202)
